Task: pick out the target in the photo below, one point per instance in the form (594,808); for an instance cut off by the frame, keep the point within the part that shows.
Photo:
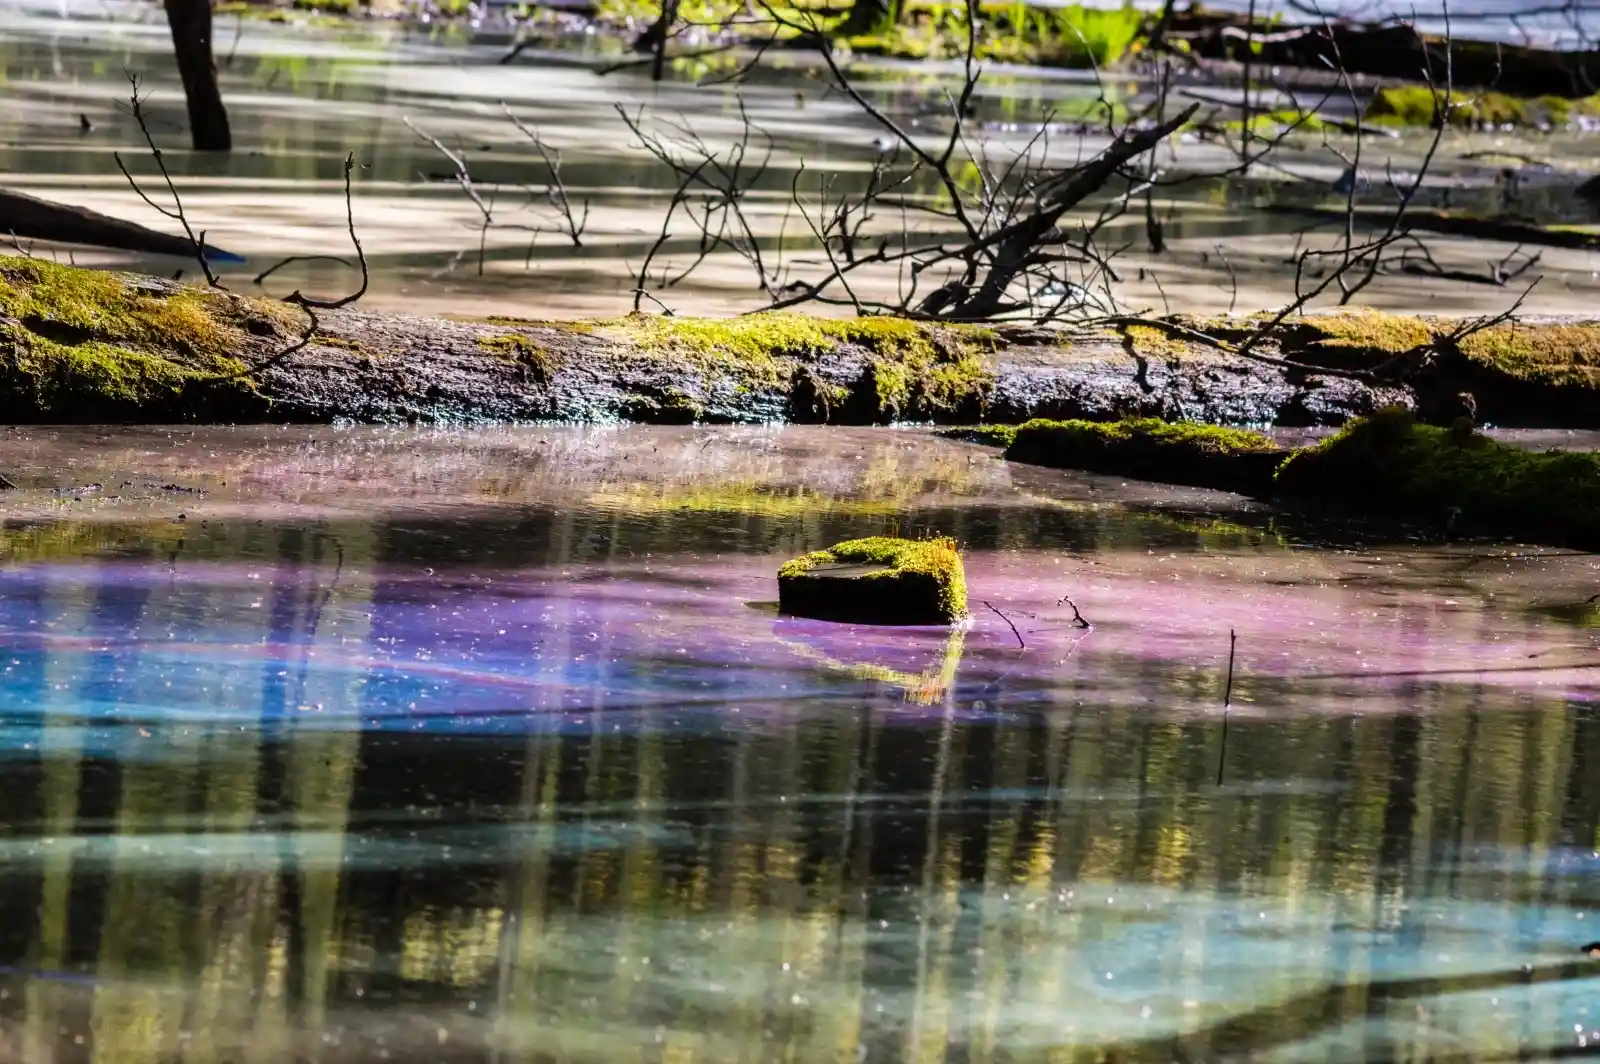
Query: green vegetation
(1389,464)
(752,499)
(95,343)
(990,435)
(1151,449)
(1072,36)
(524,351)
(881,580)
(1385,465)
(914,367)
(1417,105)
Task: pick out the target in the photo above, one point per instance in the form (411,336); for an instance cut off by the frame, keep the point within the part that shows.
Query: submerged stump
(881,580)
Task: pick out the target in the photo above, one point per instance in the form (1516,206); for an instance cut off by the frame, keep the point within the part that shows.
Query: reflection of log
(1507,230)
(30,218)
(1398,51)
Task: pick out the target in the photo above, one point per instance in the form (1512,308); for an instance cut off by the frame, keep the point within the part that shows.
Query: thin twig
(1021,644)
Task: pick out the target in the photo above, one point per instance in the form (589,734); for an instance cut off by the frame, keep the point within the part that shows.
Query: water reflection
(548,780)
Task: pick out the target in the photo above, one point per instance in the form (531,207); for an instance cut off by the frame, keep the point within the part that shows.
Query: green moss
(749,499)
(1270,123)
(1389,464)
(916,368)
(81,343)
(1557,354)
(1416,105)
(524,351)
(886,580)
(324,340)
(1152,449)
(991,435)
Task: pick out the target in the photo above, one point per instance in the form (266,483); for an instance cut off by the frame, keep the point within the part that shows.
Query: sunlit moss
(936,368)
(1152,449)
(751,499)
(1418,105)
(76,340)
(523,350)
(992,435)
(902,581)
(1389,464)
(1562,354)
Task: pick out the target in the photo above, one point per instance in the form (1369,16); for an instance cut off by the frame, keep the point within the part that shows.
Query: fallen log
(1393,50)
(87,346)
(26,217)
(1505,230)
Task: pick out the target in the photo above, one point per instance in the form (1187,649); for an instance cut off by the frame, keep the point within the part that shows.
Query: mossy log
(881,580)
(1387,465)
(87,346)
(1204,456)
(1390,465)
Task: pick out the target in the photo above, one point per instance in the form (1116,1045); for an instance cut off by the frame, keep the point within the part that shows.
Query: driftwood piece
(1395,50)
(1508,230)
(28,217)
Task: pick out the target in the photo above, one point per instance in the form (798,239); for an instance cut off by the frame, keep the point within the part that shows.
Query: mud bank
(83,346)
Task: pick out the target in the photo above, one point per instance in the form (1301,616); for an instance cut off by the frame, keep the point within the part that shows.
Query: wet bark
(1393,51)
(26,217)
(190,22)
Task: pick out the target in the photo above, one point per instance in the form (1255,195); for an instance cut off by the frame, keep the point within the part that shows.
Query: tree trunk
(190,22)
(866,16)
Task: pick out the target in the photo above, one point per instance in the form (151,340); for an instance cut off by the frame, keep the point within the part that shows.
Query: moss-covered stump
(882,580)
(1202,456)
(1392,465)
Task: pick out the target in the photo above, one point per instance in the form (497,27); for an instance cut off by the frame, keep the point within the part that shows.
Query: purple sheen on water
(555,780)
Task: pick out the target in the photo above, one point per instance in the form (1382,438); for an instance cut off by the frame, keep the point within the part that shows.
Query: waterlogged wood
(26,217)
(1394,51)
(1505,230)
(159,351)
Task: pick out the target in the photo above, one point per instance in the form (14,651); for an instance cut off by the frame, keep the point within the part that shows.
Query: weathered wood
(1394,51)
(1507,230)
(31,218)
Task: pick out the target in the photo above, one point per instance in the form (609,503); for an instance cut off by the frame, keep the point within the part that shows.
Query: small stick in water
(1227,699)
(1077,618)
(1020,644)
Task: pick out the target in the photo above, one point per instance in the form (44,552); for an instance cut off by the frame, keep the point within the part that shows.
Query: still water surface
(379,744)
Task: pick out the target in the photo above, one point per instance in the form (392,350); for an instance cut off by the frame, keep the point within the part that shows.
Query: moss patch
(1415,105)
(1389,464)
(1151,449)
(524,351)
(1565,354)
(881,580)
(989,435)
(916,370)
(81,344)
